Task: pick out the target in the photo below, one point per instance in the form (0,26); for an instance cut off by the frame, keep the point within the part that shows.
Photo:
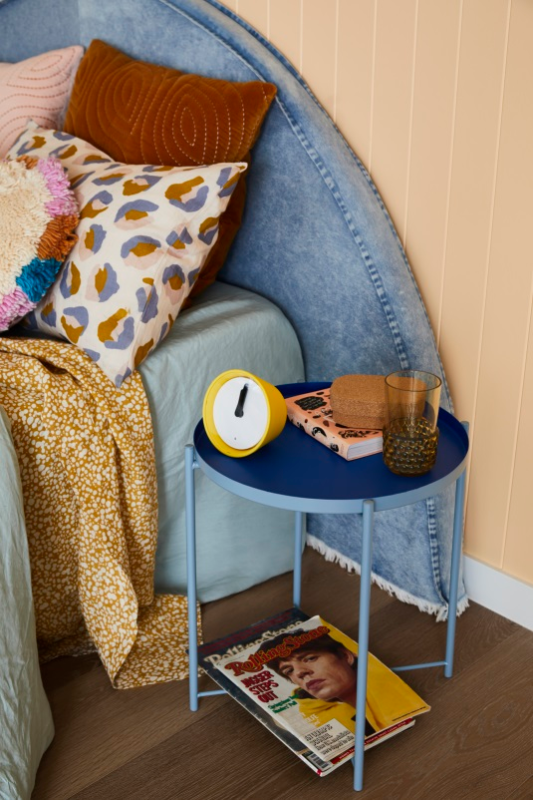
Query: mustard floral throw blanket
(85,451)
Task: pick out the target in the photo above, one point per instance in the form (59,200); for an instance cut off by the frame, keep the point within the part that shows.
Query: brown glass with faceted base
(410,446)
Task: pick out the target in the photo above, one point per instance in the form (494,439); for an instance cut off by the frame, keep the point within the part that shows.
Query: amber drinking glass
(410,435)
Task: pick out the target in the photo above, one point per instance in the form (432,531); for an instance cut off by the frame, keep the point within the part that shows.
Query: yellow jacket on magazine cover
(389,700)
(318,712)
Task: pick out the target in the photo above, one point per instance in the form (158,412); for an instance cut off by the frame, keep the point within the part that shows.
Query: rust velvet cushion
(142,113)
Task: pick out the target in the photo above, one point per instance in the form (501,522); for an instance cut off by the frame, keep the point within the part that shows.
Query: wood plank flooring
(145,744)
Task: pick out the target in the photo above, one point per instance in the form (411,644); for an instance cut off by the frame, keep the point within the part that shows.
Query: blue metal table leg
(190,525)
(297,578)
(454,568)
(362,661)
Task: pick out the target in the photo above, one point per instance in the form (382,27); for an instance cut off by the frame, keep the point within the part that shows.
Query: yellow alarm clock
(242,413)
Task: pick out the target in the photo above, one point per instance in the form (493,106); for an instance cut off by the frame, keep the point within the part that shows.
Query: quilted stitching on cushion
(37,89)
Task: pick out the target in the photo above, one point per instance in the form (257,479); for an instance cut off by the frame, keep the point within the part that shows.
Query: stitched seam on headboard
(331,185)
(389,313)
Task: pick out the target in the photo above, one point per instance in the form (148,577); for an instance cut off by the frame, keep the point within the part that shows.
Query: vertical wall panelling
(431,146)
(508,303)
(435,98)
(469,259)
(319,41)
(286,28)
(482,58)
(518,553)
(392,106)
(355,57)
(472,184)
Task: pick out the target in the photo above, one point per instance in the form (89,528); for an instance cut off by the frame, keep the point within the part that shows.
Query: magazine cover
(209,655)
(297,676)
(311,412)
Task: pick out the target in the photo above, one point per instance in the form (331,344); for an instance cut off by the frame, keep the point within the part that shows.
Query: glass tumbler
(410,435)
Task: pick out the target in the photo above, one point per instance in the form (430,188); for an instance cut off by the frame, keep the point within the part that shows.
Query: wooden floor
(145,744)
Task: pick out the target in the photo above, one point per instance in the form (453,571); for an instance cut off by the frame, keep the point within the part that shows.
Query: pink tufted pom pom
(58,185)
(13,307)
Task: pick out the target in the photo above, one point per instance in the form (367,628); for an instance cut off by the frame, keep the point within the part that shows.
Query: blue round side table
(294,472)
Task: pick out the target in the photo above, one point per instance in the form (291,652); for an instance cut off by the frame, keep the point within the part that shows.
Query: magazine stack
(297,675)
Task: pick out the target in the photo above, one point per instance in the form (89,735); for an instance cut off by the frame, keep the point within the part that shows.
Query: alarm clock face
(240,413)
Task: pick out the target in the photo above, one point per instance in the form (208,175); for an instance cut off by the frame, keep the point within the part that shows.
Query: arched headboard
(316,238)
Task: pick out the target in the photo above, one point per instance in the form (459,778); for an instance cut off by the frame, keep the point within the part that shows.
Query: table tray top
(295,472)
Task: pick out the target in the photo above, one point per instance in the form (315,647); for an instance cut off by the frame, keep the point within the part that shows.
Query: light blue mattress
(239,543)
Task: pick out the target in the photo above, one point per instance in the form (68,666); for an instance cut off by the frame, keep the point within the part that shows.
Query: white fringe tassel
(441,612)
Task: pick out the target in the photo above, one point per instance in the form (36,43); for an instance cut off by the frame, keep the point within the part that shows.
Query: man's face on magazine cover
(322,674)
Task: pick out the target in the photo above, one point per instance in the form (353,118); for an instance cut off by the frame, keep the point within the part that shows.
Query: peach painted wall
(435,96)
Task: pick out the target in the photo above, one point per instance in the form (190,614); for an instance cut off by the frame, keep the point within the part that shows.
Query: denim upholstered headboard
(316,238)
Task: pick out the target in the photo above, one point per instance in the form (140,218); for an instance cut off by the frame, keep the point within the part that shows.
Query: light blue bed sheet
(26,727)
(239,543)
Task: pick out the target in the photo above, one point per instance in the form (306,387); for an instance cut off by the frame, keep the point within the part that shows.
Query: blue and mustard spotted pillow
(143,237)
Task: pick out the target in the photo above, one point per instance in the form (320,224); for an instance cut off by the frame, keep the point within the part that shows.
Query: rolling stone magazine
(297,676)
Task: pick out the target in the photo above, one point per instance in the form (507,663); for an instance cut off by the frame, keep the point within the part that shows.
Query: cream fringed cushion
(37,88)
(38,216)
(143,236)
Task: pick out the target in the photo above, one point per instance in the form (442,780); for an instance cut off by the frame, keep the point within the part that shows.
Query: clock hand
(242,397)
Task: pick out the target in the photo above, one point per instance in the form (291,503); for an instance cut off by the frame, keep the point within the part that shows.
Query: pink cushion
(37,88)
